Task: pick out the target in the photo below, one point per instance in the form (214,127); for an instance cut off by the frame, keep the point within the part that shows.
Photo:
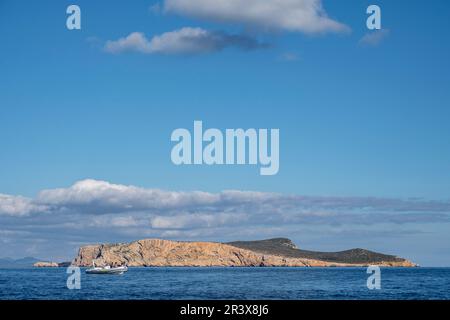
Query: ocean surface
(227,283)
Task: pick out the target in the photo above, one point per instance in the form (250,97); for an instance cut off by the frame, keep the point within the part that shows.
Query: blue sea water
(228,283)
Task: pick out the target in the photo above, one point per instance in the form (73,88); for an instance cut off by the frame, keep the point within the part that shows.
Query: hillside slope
(286,248)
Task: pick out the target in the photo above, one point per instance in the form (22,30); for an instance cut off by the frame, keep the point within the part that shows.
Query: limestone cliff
(156,252)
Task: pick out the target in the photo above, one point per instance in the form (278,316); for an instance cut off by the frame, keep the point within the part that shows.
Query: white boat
(107,270)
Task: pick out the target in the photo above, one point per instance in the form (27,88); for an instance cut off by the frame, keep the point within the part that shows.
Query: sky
(86,118)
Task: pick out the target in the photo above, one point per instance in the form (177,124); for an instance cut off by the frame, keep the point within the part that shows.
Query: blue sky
(356,119)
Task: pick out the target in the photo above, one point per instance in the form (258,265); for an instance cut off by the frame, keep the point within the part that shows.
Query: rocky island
(45,264)
(50,264)
(279,252)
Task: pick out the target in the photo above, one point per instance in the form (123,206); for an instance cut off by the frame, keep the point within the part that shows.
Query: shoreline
(245,267)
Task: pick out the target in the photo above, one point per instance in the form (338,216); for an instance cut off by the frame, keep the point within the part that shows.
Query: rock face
(157,252)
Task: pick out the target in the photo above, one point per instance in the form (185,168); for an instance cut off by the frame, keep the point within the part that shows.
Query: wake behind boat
(107,270)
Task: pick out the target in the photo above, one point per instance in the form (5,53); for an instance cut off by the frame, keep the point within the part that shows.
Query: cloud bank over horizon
(97,211)
(96,197)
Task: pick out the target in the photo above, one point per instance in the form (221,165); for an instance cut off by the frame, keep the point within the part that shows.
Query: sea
(226,283)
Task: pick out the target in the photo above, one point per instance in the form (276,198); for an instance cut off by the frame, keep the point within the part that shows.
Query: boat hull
(119,270)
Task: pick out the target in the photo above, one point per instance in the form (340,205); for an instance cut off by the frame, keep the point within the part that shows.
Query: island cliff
(267,253)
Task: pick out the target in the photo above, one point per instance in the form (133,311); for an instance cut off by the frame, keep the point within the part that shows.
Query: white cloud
(118,221)
(307,16)
(18,206)
(102,196)
(182,41)
(196,220)
(127,221)
(374,38)
(135,41)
